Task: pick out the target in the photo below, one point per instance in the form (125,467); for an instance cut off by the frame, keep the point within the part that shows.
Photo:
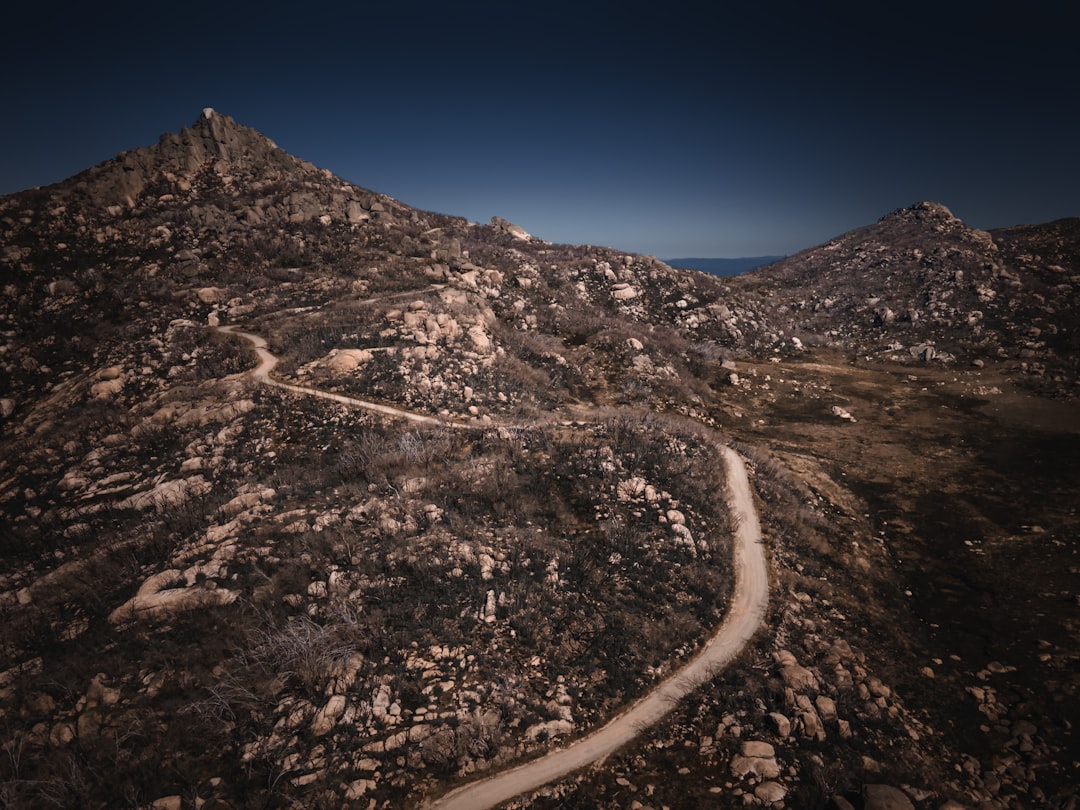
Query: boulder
(770,792)
(757,748)
(782,723)
(358,788)
(799,678)
(346,360)
(510,228)
(478,335)
(812,726)
(763,767)
(206,414)
(885,797)
(328,715)
(106,389)
(167,494)
(156,600)
(676,517)
(552,728)
(212,295)
(355,213)
(826,708)
(630,489)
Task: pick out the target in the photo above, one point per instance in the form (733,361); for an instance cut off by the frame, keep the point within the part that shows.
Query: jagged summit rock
(921,211)
(510,228)
(231,141)
(214,142)
(925,219)
(215,183)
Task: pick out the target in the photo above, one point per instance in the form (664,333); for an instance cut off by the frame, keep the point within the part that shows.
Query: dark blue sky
(673,129)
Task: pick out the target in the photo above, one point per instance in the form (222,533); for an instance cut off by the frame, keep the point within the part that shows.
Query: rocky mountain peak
(925,211)
(221,135)
(214,142)
(928,220)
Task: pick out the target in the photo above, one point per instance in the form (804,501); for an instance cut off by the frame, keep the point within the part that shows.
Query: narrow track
(745,615)
(267,361)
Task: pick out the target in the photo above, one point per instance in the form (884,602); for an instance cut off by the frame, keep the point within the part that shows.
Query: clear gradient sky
(668,128)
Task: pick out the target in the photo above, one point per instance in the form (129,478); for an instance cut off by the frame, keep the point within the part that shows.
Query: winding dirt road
(267,361)
(745,615)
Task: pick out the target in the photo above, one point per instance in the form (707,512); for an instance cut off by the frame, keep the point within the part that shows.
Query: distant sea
(724,267)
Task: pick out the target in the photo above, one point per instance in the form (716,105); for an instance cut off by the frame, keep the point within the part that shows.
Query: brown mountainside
(920,284)
(512,522)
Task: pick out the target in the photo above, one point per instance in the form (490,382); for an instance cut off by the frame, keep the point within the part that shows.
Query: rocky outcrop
(168,494)
(157,600)
(921,286)
(215,141)
(757,759)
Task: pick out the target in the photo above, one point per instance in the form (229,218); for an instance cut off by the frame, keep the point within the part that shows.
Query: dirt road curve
(745,616)
(267,361)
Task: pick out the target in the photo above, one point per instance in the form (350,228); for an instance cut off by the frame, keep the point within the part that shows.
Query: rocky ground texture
(215,593)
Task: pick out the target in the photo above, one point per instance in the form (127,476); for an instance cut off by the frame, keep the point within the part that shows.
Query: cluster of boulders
(925,287)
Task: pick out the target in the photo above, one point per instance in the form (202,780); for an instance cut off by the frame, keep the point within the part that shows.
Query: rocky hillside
(291,601)
(920,285)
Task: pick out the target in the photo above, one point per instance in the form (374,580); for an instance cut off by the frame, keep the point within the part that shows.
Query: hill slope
(920,284)
(293,601)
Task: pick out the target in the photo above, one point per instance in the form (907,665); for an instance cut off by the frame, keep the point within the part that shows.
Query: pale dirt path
(745,615)
(267,361)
